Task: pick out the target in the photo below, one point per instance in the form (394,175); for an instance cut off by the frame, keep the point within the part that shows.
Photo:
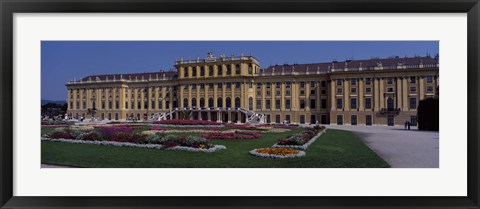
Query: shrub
(187,122)
(60,134)
(236,135)
(90,136)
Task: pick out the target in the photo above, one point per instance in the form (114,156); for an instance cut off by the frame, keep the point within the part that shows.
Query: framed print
(265,104)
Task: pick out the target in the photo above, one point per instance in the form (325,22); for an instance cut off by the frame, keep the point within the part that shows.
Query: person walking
(408,124)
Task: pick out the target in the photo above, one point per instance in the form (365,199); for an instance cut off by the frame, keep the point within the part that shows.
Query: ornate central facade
(236,89)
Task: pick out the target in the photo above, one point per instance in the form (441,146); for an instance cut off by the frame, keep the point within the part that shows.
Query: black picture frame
(10,7)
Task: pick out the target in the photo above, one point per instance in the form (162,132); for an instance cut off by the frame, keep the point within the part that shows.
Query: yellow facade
(232,89)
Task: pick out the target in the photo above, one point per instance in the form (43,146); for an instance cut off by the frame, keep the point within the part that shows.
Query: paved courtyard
(398,147)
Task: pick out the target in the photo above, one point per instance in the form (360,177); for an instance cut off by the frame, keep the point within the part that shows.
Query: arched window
(202,71)
(202,102)
(229,70)
(219,70)
(228,102)
(185,102)
(390,103)
(194,102)
(250,103)
(250,69)
(237,102)
(210,102)
(194,71)
(210,71)
(237,69)
(219,102)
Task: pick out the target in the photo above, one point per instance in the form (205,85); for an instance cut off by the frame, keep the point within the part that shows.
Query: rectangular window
(219,85)
(339,82)
(339,103)
(353,81)
(277,85)
(429,79)
(312,92)
(302,84)
(413,103)
(324,104)
(277,118)
(268,118)
(368,90)
(312,84)
(323,84)
(368,120)
(259,85)
(277,104)
(287,104)
(353,90)
(413,89)
(259,93)
(153,104)
(110,105)
(229,85)
(287,118)
(339,119)
(389,90)
(269,84)
(413,79)
(312,103)
(368,81)
(354,120)
(429,88)
(268,92)
(202,86)
(302,92)
(139,105)
(339,90)
(287,92)
(185,86)
(210,85)
(117,105)
(237,85)
(268,104)
(353,103)
(302,104)
(194,86)
(302,119)
(160,104)
(324,92)
(277,92)
(389,80)
(368,103)
(259,104)
(288,84)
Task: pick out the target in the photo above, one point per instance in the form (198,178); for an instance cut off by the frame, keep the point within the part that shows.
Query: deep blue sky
(66,60)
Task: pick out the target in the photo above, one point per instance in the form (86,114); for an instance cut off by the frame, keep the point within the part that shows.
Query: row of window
(412,89)
(211,72)
(390,80)
(368,103)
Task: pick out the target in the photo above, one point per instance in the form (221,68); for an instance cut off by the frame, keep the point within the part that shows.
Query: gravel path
(398,147)
(55,166)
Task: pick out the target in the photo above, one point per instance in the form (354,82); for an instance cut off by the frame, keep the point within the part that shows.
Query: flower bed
(277,153)
(233,135)
(186,122)
(54,126)
(301,140)
(117,129)
(156,140)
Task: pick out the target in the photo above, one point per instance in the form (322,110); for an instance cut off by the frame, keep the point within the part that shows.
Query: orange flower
(277,151)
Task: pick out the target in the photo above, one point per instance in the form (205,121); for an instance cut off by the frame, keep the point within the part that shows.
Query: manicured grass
(334,149)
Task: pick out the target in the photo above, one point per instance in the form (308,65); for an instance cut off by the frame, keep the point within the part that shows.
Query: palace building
(236,89)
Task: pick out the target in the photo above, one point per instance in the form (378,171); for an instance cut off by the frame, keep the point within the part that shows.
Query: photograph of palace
(236,98)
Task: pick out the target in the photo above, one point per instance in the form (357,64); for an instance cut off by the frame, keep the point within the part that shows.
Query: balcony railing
(390,111)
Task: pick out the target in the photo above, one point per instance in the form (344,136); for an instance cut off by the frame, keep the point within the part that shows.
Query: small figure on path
(406,124)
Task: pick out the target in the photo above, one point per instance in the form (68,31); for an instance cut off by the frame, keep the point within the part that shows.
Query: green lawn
(334,149)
